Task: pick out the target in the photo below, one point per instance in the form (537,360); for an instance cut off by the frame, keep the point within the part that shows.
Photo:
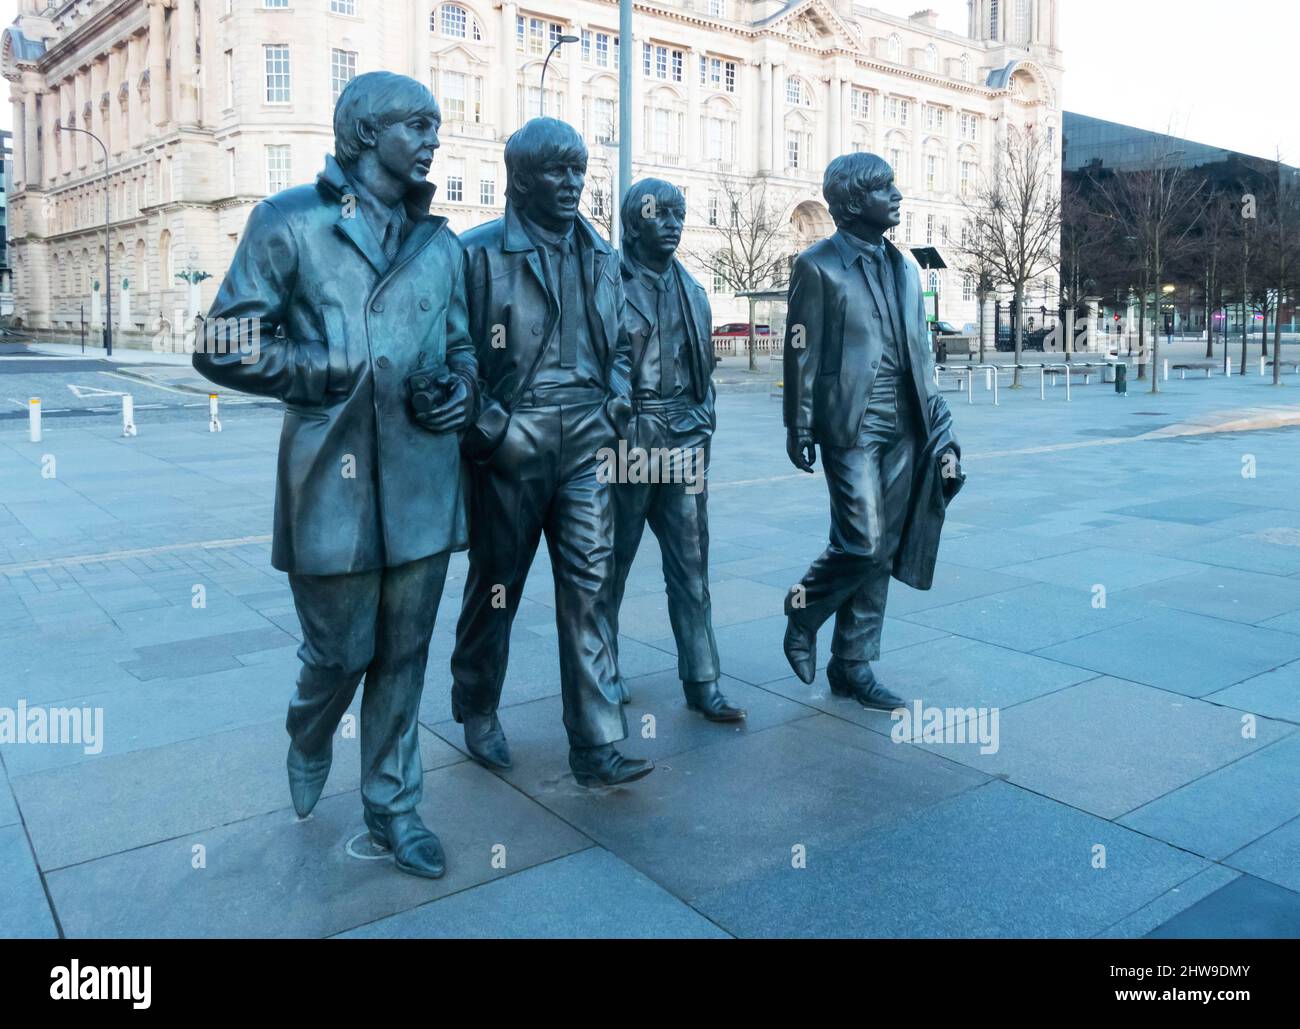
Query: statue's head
(860,192)
(393,118)
(652,216)
(546,168)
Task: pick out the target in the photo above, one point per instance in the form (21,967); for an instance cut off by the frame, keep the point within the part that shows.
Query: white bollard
(128,416)
(34,419)
(988,378)
(1166,369)
(214,422)
(1227,367)
(1261,364)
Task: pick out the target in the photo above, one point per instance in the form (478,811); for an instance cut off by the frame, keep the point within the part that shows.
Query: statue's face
(554,191)
(879,208)
(405,148)
(660,232)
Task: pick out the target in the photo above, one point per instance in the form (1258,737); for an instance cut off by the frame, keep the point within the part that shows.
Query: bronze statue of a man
(663,469)
(859,383)
(355,289)
(546,314)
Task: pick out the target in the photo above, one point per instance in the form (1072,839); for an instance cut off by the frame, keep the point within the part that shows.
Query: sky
(1222,72)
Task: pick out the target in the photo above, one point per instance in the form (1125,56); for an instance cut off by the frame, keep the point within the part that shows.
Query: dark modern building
(1095,147)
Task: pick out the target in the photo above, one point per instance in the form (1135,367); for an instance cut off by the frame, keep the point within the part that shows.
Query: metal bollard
(1121,380)
(1227,367)
(128,416)
(34,419)
(988,378)
(214,422)
(1166,369)
(1261,364)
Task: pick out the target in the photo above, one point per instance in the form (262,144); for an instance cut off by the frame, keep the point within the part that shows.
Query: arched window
(797,92)
(931,58)
(965,68)
(140,281)
(454,21)
(895,49)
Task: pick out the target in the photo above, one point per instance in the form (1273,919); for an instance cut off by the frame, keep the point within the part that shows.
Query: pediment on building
(465,54)
(815,23)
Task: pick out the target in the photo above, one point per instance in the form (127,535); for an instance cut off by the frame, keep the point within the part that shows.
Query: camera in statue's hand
(439,399)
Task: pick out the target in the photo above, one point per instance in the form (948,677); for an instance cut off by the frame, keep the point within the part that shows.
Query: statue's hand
(801,449)
(619,410)
(452,414)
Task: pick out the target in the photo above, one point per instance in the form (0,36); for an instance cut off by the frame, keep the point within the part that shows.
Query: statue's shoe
(801,650)
(484,738)
(708,700)
(307,777)
(416,850)
(869,693)
(605,766)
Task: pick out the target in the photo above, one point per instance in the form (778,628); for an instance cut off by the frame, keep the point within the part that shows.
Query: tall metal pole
(626,58)
(108,241)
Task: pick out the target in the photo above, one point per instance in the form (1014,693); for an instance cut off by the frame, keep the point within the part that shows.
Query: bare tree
(749,248)
(600,200)
(1085,239)
(973,260)
(1015,218)
(1161,207)
(1280,249)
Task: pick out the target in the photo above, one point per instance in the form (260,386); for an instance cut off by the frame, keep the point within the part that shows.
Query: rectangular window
(792,148)
(860,103)
(967,177)
(487,186)
(968,288)
(717,8)
(455,180)
(230,79)
(278,83)
(343,7)
(603,111)
(713,209)
(275,3)
(343,69)
(278,169)
(586,46)
(929,229)
(454,95)
(907,226)
(933,173)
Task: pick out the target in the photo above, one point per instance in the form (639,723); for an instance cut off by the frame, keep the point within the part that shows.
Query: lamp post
(108,242)
(546,63)
(625,59)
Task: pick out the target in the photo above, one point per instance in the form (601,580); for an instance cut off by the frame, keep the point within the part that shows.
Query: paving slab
(1108,746)
(24,910)
(1175,650)
(1230,807)
(591,894)
(1275,694)
(721,813)
(1246,908)
(1275,857)
(274,875)
(1028,618)
(996,861)
(954,674)
(92,809)
(1237,596)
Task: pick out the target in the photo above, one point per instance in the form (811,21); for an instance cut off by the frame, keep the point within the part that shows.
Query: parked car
(741,329)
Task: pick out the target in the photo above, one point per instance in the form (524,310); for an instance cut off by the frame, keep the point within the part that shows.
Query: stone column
(507,119)
(76,139)
(765,116)
(17,102)
(834,118)
(98,74)
(183,62)
(130,73)
(776,136)
(157,63)
(31,139)
(573,112)
(694,125)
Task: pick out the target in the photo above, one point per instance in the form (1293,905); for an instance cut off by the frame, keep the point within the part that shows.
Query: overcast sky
(1223,72)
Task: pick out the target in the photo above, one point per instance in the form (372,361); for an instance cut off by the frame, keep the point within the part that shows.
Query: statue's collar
(334,177)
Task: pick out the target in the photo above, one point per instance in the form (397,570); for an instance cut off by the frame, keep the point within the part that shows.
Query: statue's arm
(255,292)
(462,360)
(620,368)
(804,326)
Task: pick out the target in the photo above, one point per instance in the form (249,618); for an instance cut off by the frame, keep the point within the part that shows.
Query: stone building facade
(205,106)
